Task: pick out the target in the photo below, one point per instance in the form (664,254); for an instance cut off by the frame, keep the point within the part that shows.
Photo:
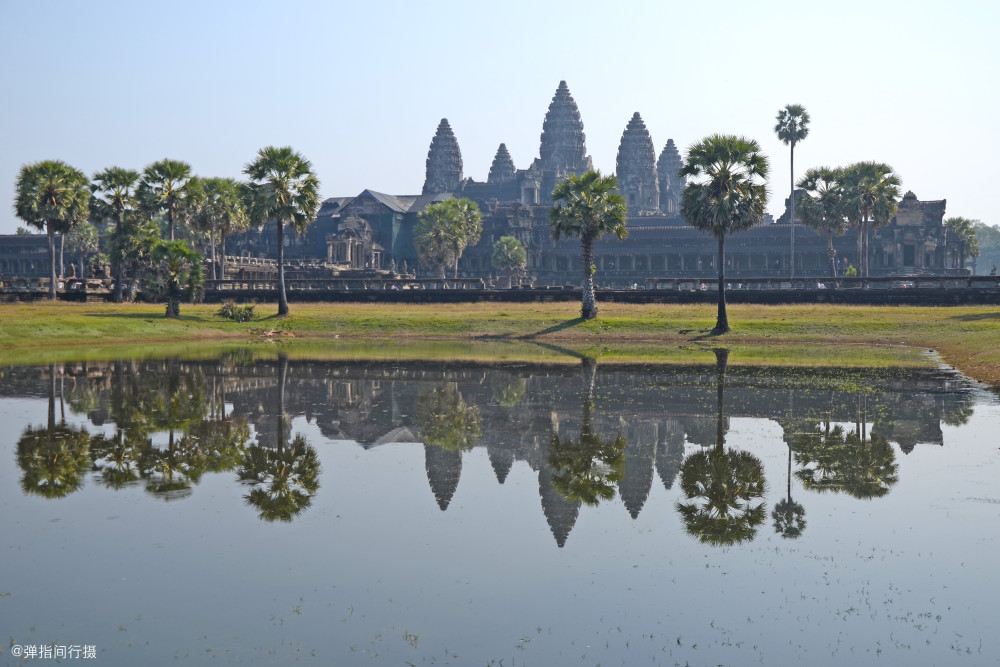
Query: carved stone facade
(671,182)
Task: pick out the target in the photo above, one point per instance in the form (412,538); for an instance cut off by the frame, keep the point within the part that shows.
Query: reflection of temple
(515,202)
(659,412)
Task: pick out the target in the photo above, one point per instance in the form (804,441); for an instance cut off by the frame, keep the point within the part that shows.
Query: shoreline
(965,337)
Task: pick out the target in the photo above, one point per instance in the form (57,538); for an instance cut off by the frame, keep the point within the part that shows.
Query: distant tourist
(994,271)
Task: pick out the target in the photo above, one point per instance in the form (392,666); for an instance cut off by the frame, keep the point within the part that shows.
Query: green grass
(801,335)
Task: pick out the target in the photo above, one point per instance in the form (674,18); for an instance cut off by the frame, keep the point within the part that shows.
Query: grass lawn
(967,337)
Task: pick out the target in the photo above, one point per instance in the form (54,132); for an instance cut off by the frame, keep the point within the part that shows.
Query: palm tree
(54,196)
(509,255)
(962,233)
(729,196)
(114,199)
(163,188)
(284,480)
(871,199)
(283,188)
(822,208)
(219,207)
(179,271)
(588,206)
(792,127)
(84,240)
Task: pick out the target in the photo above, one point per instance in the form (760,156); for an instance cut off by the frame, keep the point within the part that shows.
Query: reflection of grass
(801,335)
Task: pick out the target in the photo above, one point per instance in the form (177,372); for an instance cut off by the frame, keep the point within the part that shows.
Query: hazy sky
(360,87)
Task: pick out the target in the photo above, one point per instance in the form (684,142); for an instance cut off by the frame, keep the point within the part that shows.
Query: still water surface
(267,510)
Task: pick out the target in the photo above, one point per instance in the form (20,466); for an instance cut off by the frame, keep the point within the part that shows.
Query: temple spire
(671,182)
(503,166)
(563,146)
(636,169)
(444,162)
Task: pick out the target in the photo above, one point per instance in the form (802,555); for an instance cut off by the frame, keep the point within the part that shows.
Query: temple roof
(503,166)
(636,148)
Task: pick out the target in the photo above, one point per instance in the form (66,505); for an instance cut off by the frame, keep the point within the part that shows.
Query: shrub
(237,312)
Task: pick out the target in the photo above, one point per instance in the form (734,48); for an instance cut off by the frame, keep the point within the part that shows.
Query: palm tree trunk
(282,299)
(791,220)
(831,253)
(861,235)
(52,260)
(588,307)
(170,222)
(62,254)
(722,321)
(215,257)
(721,361)
(222,247)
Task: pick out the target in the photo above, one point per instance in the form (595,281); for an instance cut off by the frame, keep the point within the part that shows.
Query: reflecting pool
(267,509)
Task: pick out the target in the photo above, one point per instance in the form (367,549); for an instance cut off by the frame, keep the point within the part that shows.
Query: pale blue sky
(359,88)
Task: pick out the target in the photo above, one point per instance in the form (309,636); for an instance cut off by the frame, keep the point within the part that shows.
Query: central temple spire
(444,162)
(637,169)
(563,145)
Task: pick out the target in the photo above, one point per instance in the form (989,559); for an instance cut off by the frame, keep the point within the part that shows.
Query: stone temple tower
(444,162)
(503,167)
(636,169)
(671,183)
(564,146)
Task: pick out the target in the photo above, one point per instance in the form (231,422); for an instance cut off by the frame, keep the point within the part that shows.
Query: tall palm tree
(588,206)
(54,196)
(822,208)
(163,188)
(219,208)
(728,195)
(179,270)
(792,127)
(114,199)
(871,199)
(283,188)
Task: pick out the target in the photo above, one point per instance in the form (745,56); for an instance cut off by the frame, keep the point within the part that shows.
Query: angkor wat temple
(374,229)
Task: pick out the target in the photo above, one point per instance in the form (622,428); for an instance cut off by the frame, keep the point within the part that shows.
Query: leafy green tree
(218,208)
(283,188)
(962,240)
(179,273)
(988,241)
(870,200)
(728,194)
(163,188)
(588,206)
(114,200)
(444,230)
(54,196)
(509,256)
(792,127)
(822,208)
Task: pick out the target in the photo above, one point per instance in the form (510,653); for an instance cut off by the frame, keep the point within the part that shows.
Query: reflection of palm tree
(508,390)
(589,468)
(117,460)
(284,480)
(788,515)
(846,462)
(728,483)
(54,458)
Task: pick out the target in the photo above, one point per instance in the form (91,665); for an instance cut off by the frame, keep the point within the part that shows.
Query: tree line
(134,219)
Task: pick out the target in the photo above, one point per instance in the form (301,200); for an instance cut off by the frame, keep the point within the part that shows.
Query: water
(267,510)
